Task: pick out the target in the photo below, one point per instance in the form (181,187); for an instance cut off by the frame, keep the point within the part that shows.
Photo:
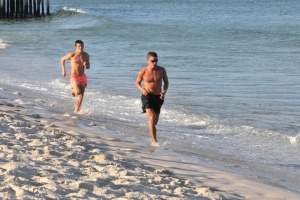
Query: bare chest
(77,59)
(152,76)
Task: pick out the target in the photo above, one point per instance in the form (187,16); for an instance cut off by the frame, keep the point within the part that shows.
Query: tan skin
(153,76)
(80,60)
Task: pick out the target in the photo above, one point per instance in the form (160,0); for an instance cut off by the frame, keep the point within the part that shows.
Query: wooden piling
(6,14)
(23,8)
(17,8)
(34,8)
(30,7)
(26,8)
(43,8)
(12,8)
(2,8)
(48,7)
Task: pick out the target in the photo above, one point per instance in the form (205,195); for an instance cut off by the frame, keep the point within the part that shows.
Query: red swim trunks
(80,80)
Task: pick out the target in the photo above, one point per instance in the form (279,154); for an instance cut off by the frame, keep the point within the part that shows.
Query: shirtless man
(79,61)
(152,93)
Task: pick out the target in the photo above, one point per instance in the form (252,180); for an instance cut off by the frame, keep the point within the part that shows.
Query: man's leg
(80,93)
(152,122)
(156,118)
(75,89)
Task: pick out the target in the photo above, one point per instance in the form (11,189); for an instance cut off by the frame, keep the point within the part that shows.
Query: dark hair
(152,54)
(79,42)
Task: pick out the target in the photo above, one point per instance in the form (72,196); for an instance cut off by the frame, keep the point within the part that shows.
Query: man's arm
(138,82)
(62,63)
(166,84)
(87,63)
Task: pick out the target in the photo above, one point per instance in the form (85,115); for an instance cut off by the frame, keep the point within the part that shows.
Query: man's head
(151,54)
(79,45)
(152,58)
(79,42)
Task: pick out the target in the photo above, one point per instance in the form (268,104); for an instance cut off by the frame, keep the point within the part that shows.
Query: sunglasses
(154,61)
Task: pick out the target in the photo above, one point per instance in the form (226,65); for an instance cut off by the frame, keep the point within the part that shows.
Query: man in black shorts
(152,101)
(152,93)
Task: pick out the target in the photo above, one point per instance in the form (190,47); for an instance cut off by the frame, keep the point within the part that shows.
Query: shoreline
(75,150)
(47,159)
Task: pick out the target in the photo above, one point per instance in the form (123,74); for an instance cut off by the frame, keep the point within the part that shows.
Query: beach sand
(46,157)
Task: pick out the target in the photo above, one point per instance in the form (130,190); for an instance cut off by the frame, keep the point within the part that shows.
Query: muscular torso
(77,61)
(153,79)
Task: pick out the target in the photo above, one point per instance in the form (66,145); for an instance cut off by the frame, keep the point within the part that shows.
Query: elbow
(137,85)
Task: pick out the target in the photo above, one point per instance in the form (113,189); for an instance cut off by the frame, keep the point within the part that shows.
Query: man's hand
(63,73)
(145,92)
(86,65)
(162,95)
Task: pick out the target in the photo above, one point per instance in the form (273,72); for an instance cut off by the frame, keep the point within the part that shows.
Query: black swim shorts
(152,101)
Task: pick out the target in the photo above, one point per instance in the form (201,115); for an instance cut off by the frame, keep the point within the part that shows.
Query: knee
(80,96)
(156,118)
(152,119)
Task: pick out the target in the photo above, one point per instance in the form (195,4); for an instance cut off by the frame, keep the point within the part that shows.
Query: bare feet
(154,144)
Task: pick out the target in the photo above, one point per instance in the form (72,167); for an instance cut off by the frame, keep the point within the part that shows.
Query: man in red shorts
(80,60)
(152,93)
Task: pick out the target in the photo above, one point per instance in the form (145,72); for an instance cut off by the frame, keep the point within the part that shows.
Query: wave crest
(295,140)
(73,10)
(3,44)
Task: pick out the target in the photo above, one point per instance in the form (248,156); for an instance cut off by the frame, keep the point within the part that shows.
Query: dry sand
(48,158)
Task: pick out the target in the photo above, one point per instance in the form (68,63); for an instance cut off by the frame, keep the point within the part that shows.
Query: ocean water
(233,66)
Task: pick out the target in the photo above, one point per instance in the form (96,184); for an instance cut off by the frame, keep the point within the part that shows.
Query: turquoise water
(233,68)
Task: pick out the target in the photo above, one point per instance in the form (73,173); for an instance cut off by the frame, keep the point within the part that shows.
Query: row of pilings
(24,8)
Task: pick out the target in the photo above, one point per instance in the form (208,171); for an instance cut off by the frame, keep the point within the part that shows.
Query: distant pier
(10,9)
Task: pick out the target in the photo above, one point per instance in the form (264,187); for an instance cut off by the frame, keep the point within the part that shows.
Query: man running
(78,80)
(152,94)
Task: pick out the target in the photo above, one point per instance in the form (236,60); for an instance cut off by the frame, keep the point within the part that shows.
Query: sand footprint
(40,179)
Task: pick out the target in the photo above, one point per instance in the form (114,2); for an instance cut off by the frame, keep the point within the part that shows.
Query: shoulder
(86,54)
(160,68)
(71,54)
(142,71)
(163,71)
(68,56)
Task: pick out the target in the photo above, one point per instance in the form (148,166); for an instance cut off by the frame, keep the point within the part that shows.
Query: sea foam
(3,44)
(73,9)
